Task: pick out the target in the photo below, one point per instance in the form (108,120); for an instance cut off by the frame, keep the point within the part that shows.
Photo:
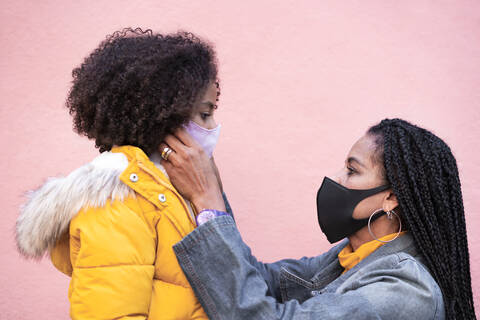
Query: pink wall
(302,80)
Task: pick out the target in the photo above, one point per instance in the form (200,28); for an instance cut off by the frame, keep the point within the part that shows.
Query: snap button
(162,197)
(133,177)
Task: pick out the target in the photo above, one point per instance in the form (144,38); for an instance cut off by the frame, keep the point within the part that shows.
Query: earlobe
(390,202)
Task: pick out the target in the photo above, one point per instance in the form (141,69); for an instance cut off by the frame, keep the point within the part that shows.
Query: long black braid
(423,174)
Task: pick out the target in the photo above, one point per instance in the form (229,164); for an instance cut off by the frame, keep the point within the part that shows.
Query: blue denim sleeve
(270,272)
(229,285)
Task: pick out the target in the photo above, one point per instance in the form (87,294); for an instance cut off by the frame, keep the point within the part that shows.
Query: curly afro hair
(139,86)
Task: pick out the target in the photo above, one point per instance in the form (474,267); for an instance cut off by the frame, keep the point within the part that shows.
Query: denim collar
(331,275)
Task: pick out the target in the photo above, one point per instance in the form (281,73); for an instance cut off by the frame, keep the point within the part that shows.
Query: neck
(380,228)
(156,158)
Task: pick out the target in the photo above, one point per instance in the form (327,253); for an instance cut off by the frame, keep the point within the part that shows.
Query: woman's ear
(390,201)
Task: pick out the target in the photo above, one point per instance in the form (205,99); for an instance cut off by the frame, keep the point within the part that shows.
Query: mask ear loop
(389,217)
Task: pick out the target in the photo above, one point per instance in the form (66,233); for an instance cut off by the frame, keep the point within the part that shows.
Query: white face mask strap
(389,217)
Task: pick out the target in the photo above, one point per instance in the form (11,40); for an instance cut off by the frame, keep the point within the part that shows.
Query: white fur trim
(47,213)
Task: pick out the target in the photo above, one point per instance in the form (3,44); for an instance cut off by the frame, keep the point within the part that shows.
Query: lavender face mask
(207,138)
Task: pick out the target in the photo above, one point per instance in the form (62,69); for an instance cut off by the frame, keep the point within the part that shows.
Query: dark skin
(194,176)
(204,108)
(192,172)
(362,171)
(203,114)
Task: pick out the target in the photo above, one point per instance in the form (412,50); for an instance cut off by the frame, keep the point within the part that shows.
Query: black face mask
(335,205)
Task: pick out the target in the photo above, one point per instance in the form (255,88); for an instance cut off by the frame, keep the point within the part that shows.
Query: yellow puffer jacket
(110,225)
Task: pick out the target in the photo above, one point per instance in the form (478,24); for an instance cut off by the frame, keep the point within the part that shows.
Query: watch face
(205,216)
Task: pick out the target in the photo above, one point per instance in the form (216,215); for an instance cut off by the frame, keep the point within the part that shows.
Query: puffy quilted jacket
(110,226)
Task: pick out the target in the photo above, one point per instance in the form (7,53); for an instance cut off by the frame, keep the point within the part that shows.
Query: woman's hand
(191,172)
(217,174)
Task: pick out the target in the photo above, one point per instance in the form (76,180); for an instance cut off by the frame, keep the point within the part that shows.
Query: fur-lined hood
(48,212)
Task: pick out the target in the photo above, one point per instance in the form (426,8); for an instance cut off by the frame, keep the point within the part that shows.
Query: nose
(212,124)
(337,177)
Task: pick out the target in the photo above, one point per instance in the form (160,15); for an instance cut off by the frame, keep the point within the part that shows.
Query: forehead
(364,150)
(207,100)
(211,93)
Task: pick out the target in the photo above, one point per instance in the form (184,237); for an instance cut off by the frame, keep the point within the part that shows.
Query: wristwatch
(208,214)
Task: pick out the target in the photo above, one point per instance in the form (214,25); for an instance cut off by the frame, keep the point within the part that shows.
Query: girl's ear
(390,201)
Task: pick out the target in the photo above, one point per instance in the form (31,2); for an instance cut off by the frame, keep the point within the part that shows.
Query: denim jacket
(391,283)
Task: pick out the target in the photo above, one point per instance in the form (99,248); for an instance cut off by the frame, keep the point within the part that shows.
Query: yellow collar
(152,180)
(349,258)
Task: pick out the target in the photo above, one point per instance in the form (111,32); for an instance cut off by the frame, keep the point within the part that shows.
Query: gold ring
(165,153)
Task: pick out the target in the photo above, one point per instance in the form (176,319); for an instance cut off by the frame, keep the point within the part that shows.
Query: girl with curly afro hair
(139,86)
(110,225)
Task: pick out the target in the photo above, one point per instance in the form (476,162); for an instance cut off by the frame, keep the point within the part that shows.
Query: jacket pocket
(295,287)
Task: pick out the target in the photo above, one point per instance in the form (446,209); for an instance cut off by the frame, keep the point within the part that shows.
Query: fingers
(170,168)
(183,146)
(167,165)
(185,138)
(174,143)
(181,139)
(171,157)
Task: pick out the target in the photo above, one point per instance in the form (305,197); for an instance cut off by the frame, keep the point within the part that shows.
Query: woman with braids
(398,203)
(110,224)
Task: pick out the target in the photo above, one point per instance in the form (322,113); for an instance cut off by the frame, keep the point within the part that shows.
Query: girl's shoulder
(48,211)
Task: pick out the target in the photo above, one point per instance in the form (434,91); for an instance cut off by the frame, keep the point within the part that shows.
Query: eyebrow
(210,104)
(353,159)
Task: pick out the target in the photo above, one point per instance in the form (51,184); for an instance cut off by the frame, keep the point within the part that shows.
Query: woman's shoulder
(400,279)
(403,262)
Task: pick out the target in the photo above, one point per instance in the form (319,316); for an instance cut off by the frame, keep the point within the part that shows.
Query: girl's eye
(205,115)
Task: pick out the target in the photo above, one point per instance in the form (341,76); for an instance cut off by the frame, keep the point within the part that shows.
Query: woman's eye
(350,171)
(205,115)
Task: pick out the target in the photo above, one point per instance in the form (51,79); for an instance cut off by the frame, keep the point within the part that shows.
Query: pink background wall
(302,80)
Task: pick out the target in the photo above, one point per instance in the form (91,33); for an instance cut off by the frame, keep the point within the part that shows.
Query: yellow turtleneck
(349,258)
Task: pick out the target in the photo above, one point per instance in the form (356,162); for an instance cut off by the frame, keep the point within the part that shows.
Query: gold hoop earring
(389,216)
